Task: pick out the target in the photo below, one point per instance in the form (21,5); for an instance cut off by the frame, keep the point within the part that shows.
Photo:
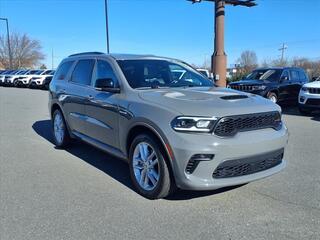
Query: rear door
(77,92)
(284,86)
(295,84)
(102,108)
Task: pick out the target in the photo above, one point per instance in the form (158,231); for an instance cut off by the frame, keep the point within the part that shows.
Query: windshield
(161,73)
(47,72)
(265,74)
(35,72)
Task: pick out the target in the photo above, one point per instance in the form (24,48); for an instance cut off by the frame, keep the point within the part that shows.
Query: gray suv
(172,125)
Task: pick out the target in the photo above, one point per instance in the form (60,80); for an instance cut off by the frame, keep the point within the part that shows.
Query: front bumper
(243,145)
(309,101)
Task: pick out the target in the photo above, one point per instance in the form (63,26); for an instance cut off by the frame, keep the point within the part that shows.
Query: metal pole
(219,57)
(107,25)
(9,46)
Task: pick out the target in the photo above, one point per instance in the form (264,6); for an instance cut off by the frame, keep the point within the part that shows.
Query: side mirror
(106,85)
(284,78)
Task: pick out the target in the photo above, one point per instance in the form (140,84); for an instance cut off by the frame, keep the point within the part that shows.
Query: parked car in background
(43,80)
(309,97)
(172,131)
(12,79)
(25,80)
(3,75)
(276,84)
(7,81)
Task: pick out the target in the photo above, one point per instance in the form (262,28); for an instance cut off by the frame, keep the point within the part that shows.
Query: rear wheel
(272,97)
(148,168)
(60,131)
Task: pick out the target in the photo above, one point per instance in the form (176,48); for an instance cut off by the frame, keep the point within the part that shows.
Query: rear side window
(63,70)
(82,73)
(303,76)
(294,75)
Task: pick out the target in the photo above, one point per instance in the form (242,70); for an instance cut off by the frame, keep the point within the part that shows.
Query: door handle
(90,97)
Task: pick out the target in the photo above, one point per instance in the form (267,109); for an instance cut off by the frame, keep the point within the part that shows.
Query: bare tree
(248,60)
(26,52)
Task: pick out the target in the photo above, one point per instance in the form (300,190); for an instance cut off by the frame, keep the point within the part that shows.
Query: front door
(102,109)
(284,86)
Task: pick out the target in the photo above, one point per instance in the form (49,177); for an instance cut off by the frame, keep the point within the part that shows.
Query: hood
(315,84)
(206,101)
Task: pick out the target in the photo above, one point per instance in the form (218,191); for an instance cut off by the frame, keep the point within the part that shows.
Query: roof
(117,56)
(279,68)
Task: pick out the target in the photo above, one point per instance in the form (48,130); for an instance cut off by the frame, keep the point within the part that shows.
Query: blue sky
(173,28)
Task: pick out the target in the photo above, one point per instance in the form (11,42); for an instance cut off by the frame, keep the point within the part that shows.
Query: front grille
(246,166)
(244,88)
(314,90)
(313,102)
(229,126)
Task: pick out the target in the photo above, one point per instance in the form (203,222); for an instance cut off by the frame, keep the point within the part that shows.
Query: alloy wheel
(58,127)
(146,166)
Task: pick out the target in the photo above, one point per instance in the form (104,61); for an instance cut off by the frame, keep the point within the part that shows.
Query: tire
(272,97)
(157,182)
(60,131)
(15,83)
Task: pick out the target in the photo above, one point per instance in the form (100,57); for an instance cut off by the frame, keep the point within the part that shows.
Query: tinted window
(303,76)
(82,73)
(161,73)
(294,75)
(286,74)
(104,71)
(63,70)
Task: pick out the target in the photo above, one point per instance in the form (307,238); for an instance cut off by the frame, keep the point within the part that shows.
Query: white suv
(43,80)
(25,80)
(309,97)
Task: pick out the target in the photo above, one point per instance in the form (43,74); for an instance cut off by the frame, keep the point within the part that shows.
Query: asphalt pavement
(83,193)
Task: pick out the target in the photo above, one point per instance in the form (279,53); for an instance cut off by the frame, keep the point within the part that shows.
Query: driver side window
(104,71)
(285,75)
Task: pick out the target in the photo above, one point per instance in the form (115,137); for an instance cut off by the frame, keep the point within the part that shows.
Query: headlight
(304,89)
(194,124)
(261,87)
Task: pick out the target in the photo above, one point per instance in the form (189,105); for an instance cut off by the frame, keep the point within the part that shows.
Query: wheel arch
(141,128)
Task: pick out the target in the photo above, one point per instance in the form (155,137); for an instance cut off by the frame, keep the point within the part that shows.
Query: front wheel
(148,169)
(273,97)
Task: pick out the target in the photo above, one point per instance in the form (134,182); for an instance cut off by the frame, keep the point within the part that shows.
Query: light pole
(219,57)
(9,47)
(107,25)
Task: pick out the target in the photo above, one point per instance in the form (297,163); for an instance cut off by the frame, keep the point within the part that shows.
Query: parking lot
(83,193)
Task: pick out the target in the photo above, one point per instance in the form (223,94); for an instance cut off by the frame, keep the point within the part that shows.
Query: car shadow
(114,167)
(294,111)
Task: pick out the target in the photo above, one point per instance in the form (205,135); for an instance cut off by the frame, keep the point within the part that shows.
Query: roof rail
(86,53)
